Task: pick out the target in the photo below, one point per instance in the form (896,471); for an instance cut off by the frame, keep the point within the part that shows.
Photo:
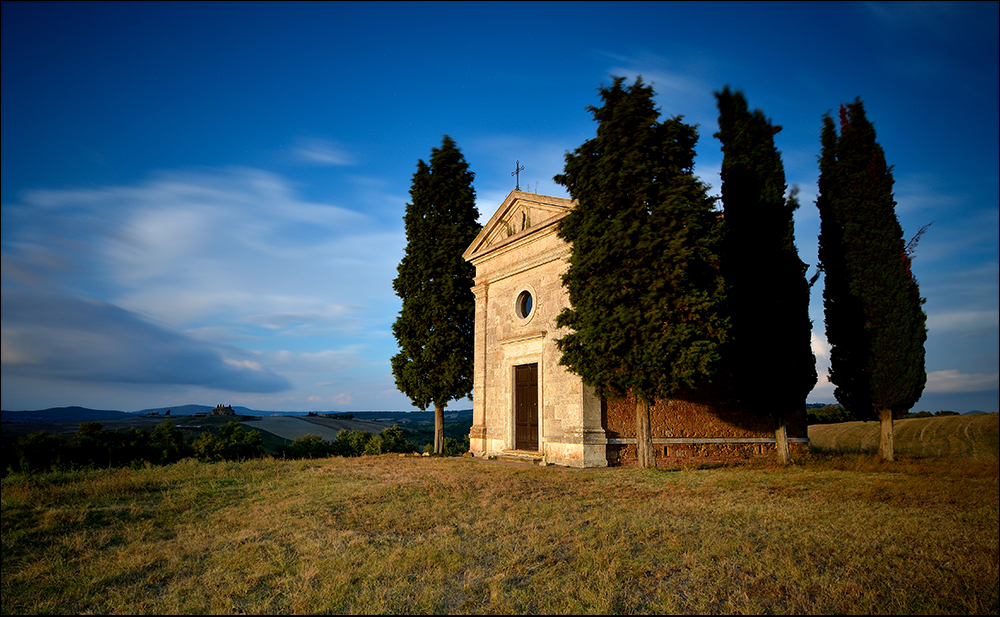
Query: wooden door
(526,407)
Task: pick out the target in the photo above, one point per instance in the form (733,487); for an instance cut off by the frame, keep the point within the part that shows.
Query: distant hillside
(82,414)
(64,414)
(971,436)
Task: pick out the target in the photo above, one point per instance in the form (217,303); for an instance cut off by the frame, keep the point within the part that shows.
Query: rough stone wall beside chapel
(706,414)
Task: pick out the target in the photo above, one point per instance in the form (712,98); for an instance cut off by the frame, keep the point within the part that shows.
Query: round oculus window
(524,304)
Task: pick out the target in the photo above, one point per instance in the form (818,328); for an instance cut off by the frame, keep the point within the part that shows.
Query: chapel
(528,406)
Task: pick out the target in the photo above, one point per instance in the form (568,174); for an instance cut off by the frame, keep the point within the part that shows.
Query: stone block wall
(703,426)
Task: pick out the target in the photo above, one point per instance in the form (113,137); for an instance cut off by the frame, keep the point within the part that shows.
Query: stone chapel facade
(526,405)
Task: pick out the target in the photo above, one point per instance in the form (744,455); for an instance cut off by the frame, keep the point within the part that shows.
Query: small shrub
(374,446)
(206,448)
(239,443)
(166,444)
(352,443)
(394,441)
(829,414)
(40,452)
(308,446)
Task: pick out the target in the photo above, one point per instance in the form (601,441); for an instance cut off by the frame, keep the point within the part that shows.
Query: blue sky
(203,203)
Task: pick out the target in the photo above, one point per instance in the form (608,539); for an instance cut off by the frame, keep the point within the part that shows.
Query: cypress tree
(770,353)
(643,280)
(436,325)
(875,322)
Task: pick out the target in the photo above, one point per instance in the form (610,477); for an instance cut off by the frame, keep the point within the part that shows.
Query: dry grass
(836,534)
(968,438)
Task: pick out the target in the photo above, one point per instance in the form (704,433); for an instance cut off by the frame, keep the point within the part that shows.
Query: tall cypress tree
(770,354)
(643,280)
(435,328)
(875,322)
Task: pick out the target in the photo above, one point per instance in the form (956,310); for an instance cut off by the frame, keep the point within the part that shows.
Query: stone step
(522,456)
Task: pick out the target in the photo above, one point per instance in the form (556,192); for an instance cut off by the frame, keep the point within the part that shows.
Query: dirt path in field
(293,427)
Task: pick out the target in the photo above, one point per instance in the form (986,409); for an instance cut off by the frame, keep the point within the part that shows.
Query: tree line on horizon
(836,414)
(665,293)
(93,447)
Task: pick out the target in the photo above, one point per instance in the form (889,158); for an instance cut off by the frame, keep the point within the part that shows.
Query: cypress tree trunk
(781,441)
(438,429)
(886,446)
(644,435)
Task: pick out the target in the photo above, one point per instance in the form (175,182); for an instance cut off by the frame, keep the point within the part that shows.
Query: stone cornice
(520,338)
(553,254)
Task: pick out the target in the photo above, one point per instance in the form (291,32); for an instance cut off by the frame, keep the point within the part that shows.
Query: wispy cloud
(665,74)
(682,83)
(320,152)
(307,322)
(184,246)
(823,390)
(919,39)
(820,347)
(924,193)
(923,17)
(322,362)
(963,321)
(955,381)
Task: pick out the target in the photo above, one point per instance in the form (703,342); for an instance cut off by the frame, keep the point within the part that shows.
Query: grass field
(838,533)
(968,438)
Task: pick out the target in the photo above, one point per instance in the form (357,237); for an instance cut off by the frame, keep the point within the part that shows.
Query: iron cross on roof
(518,168)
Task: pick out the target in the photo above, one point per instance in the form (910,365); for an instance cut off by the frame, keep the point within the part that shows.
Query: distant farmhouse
(223,411)
(528,406)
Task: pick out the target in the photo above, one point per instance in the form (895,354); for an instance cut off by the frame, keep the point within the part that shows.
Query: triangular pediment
(518,216)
